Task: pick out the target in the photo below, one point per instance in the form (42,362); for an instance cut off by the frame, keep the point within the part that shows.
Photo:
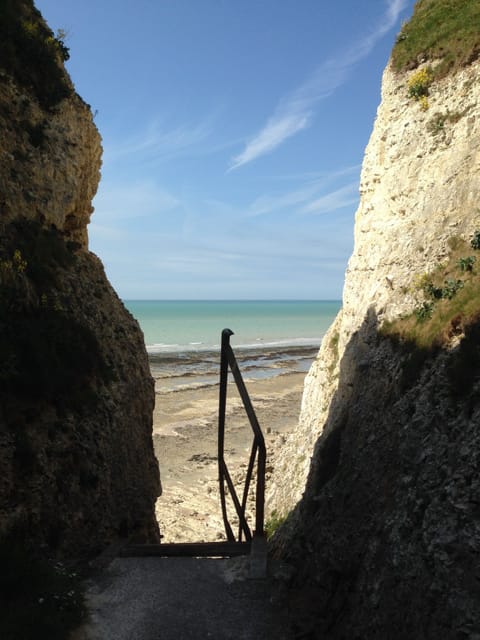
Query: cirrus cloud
(295,112)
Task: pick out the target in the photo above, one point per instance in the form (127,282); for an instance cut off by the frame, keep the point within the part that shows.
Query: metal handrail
(258,449)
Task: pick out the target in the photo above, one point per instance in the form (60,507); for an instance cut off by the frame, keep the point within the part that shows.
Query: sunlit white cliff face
(420,185)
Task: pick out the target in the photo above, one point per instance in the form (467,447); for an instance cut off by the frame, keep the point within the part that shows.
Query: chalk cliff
(382,474)
(76,395)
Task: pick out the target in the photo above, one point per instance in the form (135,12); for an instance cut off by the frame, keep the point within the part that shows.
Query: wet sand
(185,427)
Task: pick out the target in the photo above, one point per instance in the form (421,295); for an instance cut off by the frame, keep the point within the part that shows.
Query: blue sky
(233,135)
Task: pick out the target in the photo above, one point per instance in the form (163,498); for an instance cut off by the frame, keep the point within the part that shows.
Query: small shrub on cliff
(451,287)
(57,45)
(424,311)
(420,281)
(424,104)
(475,242)
(433,292)
(419,83)
(31,53)
(272,524)
(9,268)
(466,264)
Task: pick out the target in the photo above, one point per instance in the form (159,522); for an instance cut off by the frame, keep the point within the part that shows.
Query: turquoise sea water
(270,338)
(197,325)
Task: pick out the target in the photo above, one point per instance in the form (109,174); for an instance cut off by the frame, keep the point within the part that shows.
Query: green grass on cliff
(449,313)
(446,316)
(439,29)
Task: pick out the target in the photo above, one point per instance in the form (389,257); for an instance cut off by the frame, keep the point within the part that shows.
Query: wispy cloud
(343,197)
(293,199)
(157,142)
(321,175)
(274,203)
(116,202)
(282,125)
(295,112)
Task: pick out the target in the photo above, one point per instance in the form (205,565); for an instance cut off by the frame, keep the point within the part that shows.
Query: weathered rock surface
(418,189)
(76,394)
(386,537)
(50,161)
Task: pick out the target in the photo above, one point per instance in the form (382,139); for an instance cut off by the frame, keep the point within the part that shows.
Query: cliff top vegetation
(445,30)
(31,54)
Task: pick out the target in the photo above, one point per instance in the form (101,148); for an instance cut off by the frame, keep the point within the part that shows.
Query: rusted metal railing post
(226,333)
(259,444)
(258,448)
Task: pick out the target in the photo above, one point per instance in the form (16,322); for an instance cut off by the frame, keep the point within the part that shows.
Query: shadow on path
(183,599)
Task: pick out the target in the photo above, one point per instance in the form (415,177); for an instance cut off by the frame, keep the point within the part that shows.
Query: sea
(270,338)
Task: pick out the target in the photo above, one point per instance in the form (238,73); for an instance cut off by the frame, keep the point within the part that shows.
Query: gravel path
(183,599)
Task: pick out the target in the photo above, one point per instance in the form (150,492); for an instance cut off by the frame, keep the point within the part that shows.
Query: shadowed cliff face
(386,538)
(76,395)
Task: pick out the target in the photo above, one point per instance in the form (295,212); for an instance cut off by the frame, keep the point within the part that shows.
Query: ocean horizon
(271,337)
(194,325)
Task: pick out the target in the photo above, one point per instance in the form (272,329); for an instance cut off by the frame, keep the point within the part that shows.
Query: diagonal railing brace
(258,452)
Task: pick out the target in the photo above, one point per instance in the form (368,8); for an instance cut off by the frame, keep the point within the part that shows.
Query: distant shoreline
(183,370)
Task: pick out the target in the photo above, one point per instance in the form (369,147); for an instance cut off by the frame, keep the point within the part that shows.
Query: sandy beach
(185,439)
